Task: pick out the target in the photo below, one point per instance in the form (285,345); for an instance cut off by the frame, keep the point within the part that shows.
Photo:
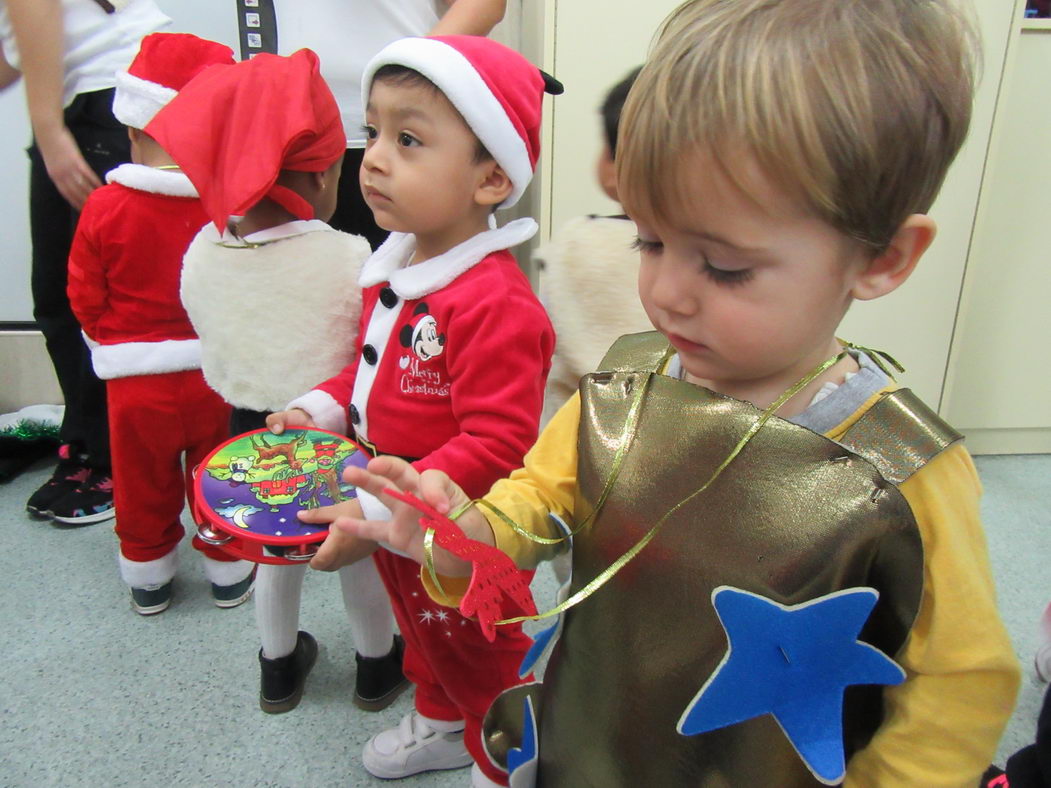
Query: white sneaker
(480,779)
(1043,662)
(413,747)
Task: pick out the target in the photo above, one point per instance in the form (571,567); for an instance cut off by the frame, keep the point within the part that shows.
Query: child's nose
(673,289)
(374,158)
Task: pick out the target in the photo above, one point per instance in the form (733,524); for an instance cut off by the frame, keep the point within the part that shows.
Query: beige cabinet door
(999,386)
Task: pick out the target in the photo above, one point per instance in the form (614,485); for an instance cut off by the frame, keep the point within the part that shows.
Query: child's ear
(495,186)
(606,171)
(320,180)
(885,272)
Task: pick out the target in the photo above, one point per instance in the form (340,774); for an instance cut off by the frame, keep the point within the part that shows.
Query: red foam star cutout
(493,577)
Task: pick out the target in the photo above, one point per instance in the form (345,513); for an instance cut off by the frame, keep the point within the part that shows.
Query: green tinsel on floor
(23,442)
(31,430)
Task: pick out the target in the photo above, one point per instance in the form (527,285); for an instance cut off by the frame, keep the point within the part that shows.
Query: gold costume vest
(794,517)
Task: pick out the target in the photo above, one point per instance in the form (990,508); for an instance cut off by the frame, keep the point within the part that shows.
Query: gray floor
(98,696)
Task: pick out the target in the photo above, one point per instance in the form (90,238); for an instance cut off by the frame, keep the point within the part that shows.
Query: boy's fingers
(365,480)
(395,470)
(432,489)
(372,530)
(327,557)
(323,514)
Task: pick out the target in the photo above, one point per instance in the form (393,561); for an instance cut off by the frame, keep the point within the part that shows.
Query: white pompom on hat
(497,91)
(165,64)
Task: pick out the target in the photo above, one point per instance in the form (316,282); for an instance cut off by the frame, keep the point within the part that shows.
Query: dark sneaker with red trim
(68,476)
(91,502)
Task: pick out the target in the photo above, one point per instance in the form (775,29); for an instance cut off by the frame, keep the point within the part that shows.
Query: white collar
(276,233)
(150,179)
(390,263)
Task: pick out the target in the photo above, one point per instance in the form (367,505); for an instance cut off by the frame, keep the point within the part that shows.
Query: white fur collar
(150,179)
(277,233)
(389,263)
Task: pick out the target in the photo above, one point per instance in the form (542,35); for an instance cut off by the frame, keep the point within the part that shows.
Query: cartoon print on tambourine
(253,485)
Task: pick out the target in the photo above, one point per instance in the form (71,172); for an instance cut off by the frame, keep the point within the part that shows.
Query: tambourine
(248,490)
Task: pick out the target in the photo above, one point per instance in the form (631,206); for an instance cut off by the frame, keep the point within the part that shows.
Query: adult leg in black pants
(80,492)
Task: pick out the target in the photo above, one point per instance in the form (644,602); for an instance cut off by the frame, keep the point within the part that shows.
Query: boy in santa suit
(123,286)
(454,351)
(274,298)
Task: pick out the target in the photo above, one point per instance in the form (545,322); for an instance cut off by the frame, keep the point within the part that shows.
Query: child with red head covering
(455,349)
(123,286)
(272,291)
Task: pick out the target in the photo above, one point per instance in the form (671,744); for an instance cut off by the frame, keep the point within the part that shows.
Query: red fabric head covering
(497,91)
(232,130)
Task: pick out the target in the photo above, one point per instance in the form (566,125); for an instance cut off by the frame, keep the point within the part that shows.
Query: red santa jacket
(453,354)
(124,269)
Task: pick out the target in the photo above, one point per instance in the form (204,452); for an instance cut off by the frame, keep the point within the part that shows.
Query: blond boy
(760,483)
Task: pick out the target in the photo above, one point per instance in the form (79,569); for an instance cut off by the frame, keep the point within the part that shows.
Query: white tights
(278,590)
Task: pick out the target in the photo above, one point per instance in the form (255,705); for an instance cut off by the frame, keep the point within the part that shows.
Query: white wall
(214,19)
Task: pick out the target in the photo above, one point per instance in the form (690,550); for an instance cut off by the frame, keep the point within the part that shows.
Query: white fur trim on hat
(150,179)
(457,78)
(145,358)
(140,574)
(136,101)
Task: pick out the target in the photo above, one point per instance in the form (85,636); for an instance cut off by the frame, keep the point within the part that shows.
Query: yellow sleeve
(942,725)
(545,484)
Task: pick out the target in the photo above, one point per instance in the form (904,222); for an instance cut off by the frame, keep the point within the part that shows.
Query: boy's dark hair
(392,74)
(612,104)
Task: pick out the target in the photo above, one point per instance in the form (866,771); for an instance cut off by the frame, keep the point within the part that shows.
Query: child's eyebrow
(403,113)
(725,241)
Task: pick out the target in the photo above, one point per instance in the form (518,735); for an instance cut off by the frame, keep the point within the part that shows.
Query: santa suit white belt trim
(145,358)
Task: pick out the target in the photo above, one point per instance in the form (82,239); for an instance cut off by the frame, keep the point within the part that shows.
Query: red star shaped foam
(494,575)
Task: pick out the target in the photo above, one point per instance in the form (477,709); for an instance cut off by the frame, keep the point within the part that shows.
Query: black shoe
(70,473)
(151,600)
(380,679)
(281,680)
(91,502)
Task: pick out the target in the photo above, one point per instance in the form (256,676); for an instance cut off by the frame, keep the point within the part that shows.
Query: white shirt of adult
(345,34)
(98,45)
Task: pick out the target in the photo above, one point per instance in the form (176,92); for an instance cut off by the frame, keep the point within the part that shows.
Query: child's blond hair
(856,106)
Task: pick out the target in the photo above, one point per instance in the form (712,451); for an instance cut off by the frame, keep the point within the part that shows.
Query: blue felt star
(791,661)
(541,641)
(522,761)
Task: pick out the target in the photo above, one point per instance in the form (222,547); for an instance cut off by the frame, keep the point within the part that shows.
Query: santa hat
(165,63)
(497,91)
(232,130)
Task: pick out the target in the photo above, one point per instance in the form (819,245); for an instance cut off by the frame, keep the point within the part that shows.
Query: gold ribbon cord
(879,357)
(428,559)
(609,572)
(630,423)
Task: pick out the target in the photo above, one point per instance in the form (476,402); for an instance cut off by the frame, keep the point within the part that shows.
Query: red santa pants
(154,419)
(457,672)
